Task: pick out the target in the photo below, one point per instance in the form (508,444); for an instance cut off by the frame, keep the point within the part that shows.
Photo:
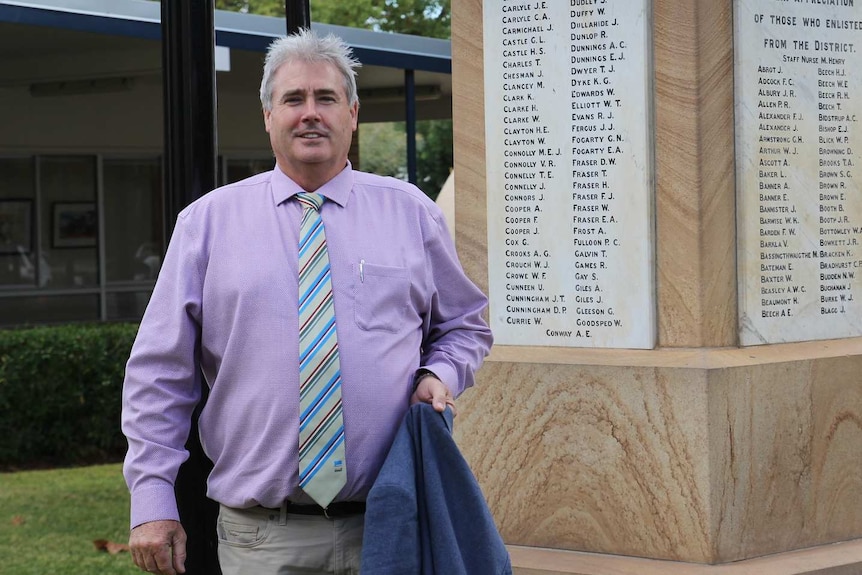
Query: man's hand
(159,547)
(432,390)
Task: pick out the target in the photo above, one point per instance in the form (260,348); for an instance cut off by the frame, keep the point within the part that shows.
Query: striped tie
(321,429)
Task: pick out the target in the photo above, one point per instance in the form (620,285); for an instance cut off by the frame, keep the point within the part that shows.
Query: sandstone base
(836,559)
(706,457)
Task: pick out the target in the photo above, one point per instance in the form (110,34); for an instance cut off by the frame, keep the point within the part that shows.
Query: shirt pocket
(381,297)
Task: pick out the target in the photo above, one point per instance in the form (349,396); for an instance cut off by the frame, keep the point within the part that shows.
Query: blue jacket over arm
(426,513)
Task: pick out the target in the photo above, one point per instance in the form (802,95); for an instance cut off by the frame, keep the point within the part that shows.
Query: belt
(332,511)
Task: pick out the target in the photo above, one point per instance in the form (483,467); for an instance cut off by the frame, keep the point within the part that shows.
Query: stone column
(719,442)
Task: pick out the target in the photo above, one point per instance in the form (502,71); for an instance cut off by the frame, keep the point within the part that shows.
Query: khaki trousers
(260,541)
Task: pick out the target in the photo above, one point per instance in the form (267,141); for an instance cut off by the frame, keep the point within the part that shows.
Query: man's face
(311,123)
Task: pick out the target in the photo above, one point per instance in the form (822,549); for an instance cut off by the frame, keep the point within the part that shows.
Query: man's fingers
(451,403)
(180,554)
(165,560)
(160,561)
(159,547)
(432,390)
(440,405)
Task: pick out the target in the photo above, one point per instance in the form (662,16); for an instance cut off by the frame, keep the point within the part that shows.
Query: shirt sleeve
(162,382)
(456,338)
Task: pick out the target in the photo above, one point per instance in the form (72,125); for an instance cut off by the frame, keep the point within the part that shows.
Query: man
(226,304)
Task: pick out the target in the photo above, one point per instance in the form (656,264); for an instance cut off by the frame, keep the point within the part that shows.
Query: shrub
(60,393)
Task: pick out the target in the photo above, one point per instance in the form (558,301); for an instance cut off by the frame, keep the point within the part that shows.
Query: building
(81,192)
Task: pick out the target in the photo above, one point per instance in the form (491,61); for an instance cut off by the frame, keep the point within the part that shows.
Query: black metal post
(188,65)
(188,60)
(410,117)
(297,13)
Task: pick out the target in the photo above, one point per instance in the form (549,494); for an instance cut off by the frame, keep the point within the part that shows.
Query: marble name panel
(798,91)
(569,172)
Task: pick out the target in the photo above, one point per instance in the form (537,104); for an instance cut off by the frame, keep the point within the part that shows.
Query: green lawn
(49,519)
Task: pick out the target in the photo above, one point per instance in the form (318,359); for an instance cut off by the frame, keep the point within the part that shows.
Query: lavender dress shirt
(225,304)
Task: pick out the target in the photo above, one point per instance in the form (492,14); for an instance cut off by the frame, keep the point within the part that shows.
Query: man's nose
(309,109)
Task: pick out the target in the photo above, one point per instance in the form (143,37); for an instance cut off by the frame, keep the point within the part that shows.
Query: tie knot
(310,200)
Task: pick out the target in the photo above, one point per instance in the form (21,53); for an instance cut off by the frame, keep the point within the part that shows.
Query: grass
(49,519)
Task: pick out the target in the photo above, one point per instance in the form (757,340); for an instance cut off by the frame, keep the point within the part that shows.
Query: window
(133,219)
(81,237)
(236,170)
(69,220)
(18,261)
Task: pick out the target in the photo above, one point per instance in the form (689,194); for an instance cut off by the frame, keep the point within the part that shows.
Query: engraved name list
(569,173)
(799,145)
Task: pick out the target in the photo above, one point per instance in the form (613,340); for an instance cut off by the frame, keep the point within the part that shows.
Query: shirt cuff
(154,503)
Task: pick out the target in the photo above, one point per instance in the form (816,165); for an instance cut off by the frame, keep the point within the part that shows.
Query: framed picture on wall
(74,225)
(16,226)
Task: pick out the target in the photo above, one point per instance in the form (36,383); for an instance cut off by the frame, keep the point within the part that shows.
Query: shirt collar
(335,190)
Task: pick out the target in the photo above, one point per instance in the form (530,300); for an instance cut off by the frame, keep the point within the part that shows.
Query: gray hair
(306,46)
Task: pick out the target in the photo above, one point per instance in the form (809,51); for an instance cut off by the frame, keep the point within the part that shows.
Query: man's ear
(266,118)
(354,115)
